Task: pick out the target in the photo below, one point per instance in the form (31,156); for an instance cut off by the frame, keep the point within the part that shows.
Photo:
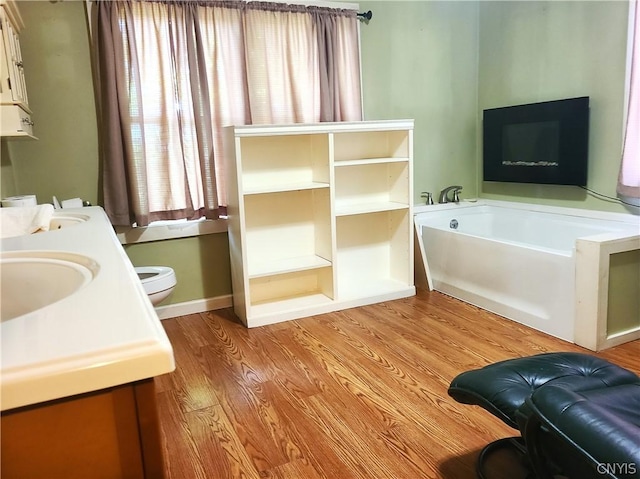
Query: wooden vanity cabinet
(112,433)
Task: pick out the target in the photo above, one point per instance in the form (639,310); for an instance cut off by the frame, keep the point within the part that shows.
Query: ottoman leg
(514,443)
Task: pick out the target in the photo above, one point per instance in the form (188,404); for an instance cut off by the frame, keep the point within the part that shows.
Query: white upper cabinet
(15,114)
(320,217)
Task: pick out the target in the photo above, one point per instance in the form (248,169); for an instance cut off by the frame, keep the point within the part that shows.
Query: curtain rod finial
(365,17)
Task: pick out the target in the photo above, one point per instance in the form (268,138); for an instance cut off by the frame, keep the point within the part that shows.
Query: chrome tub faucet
(444,194)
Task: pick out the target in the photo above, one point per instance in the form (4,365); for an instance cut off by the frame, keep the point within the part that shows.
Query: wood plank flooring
(360,393)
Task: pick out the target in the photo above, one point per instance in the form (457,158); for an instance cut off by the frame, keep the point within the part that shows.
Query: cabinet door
(111,433)
(13,78)
(5,82)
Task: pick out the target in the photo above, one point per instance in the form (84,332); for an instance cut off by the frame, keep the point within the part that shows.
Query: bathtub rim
(426,218)
(422,211)
(559,210)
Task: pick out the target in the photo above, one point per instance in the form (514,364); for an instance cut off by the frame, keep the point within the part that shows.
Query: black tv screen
(546,143)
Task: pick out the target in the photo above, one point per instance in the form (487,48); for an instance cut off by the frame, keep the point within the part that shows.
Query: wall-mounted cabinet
(15,115)
(319,217)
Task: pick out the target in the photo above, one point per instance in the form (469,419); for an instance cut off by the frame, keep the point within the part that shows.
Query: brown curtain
(171,74)
(175,116)
(114,138)
(339,64)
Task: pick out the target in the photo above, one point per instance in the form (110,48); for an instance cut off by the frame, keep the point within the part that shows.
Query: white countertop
(103,335)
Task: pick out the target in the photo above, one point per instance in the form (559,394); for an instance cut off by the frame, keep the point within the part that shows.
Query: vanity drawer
(15,122)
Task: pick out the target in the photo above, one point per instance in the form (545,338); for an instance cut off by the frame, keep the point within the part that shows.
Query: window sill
(164,230)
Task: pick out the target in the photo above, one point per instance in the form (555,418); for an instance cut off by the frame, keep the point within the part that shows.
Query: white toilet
(158,282)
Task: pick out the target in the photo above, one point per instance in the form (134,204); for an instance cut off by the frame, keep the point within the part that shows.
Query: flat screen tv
(544,143)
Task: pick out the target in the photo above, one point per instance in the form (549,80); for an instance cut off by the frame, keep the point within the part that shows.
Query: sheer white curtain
(629,179)
(282,66)
(167,104)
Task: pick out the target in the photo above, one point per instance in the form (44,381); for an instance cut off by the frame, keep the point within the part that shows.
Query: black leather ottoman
(502,388)
(591,434)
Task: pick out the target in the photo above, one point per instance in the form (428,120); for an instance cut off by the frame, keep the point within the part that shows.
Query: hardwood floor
(360,393)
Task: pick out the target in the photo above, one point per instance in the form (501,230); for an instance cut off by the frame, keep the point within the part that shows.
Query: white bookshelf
(319,217)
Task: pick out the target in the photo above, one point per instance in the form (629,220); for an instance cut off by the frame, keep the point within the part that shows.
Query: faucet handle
(456,194)
(428,196)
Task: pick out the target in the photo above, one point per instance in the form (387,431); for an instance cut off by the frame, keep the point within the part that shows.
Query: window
(173,74)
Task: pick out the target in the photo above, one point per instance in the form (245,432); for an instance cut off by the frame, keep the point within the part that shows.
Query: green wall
(536,51)
(64,160)
(443,62)
(201,264)
(419,60)
(437,62)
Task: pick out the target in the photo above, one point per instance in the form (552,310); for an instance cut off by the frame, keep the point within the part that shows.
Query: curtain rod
(365,17)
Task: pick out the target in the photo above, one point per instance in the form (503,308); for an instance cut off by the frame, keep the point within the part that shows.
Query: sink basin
(32,280)
(64,220)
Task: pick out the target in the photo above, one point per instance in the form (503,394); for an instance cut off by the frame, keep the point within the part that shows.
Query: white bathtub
(514,259)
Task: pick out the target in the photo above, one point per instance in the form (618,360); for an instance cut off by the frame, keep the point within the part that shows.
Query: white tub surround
(104,335)
(593,330)
(519,260)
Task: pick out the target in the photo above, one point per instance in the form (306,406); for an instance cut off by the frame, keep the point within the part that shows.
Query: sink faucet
(444,194)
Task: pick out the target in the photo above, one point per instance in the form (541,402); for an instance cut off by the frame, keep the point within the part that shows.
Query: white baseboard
(195,306)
